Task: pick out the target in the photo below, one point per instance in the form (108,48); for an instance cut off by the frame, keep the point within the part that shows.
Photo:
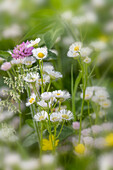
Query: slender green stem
(41,73)
(60,129)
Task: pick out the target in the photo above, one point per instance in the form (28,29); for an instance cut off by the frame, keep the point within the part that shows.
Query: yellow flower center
(105,104)
(54,118)
(41,117)
(80,148)
(31,100)
(40,55)
(109,139)
(87,95)
(28,62)
(58,94)
(76,48)
(65,116)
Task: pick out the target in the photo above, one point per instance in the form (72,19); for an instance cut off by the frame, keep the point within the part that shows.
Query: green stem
(60,129)
(41,73)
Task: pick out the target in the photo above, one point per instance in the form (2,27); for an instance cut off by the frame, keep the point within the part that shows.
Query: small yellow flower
(80,149)
(109,139)
(48,145)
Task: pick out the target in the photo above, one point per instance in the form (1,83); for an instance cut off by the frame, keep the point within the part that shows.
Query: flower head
(66,114)
(48,144)
(40,53)
(29,61)
(74,49)
(87,60)
(109,139)
(6,66)
(40,116)
(34,43)
(61,95)
(21,51)
(31,77)
(55,117)
(46,96)
(80,149)
(31,100)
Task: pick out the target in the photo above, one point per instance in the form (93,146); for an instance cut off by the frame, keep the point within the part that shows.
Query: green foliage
(51,36)
(5,55)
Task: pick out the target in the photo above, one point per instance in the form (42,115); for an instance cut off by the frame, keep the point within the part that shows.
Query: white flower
(7,134)
(47,159)
(29,61)
(61,95)
(79,20)
(96,129)
(31,100)
(29,164)
(67,15)
(34,43)
(31,77)
(88,141)
(88,95)
(76,47)
(12,159)
(46,96)
(54,74)
(86,132)
(105,104)
(107,126)
(42,103)
(55,117)
(98,45)
(66,114)
(87,60)
(46,79)
(40,116)
(102,94)
(72,54)
(109,26)
(40,53)
(16,61)
(85,51)
(48,67)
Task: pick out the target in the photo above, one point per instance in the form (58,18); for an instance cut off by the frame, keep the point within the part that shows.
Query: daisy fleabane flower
(86,51)
(61,95)
(29,61)
(40,53)
(34,43)
(88,95)
(31,100)
(42,103)
(74,49)
(87,60)
(21,51)
(31,77)
(46,96)
(55,117)
(66,114)
(40,116)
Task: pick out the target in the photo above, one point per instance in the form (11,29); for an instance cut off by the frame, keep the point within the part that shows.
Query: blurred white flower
(67,15)
(46,96)
(61,95)
(87,60)
(105,161)
(42,103)
(98,45)
(86,51)
(105,104)
(12,31)
(29,61)
(88,95)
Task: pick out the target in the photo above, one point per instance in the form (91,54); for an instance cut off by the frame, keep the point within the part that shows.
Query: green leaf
(66,131)
(30,140)
(51,36)
(5,55)
(51,56)
(30,122)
